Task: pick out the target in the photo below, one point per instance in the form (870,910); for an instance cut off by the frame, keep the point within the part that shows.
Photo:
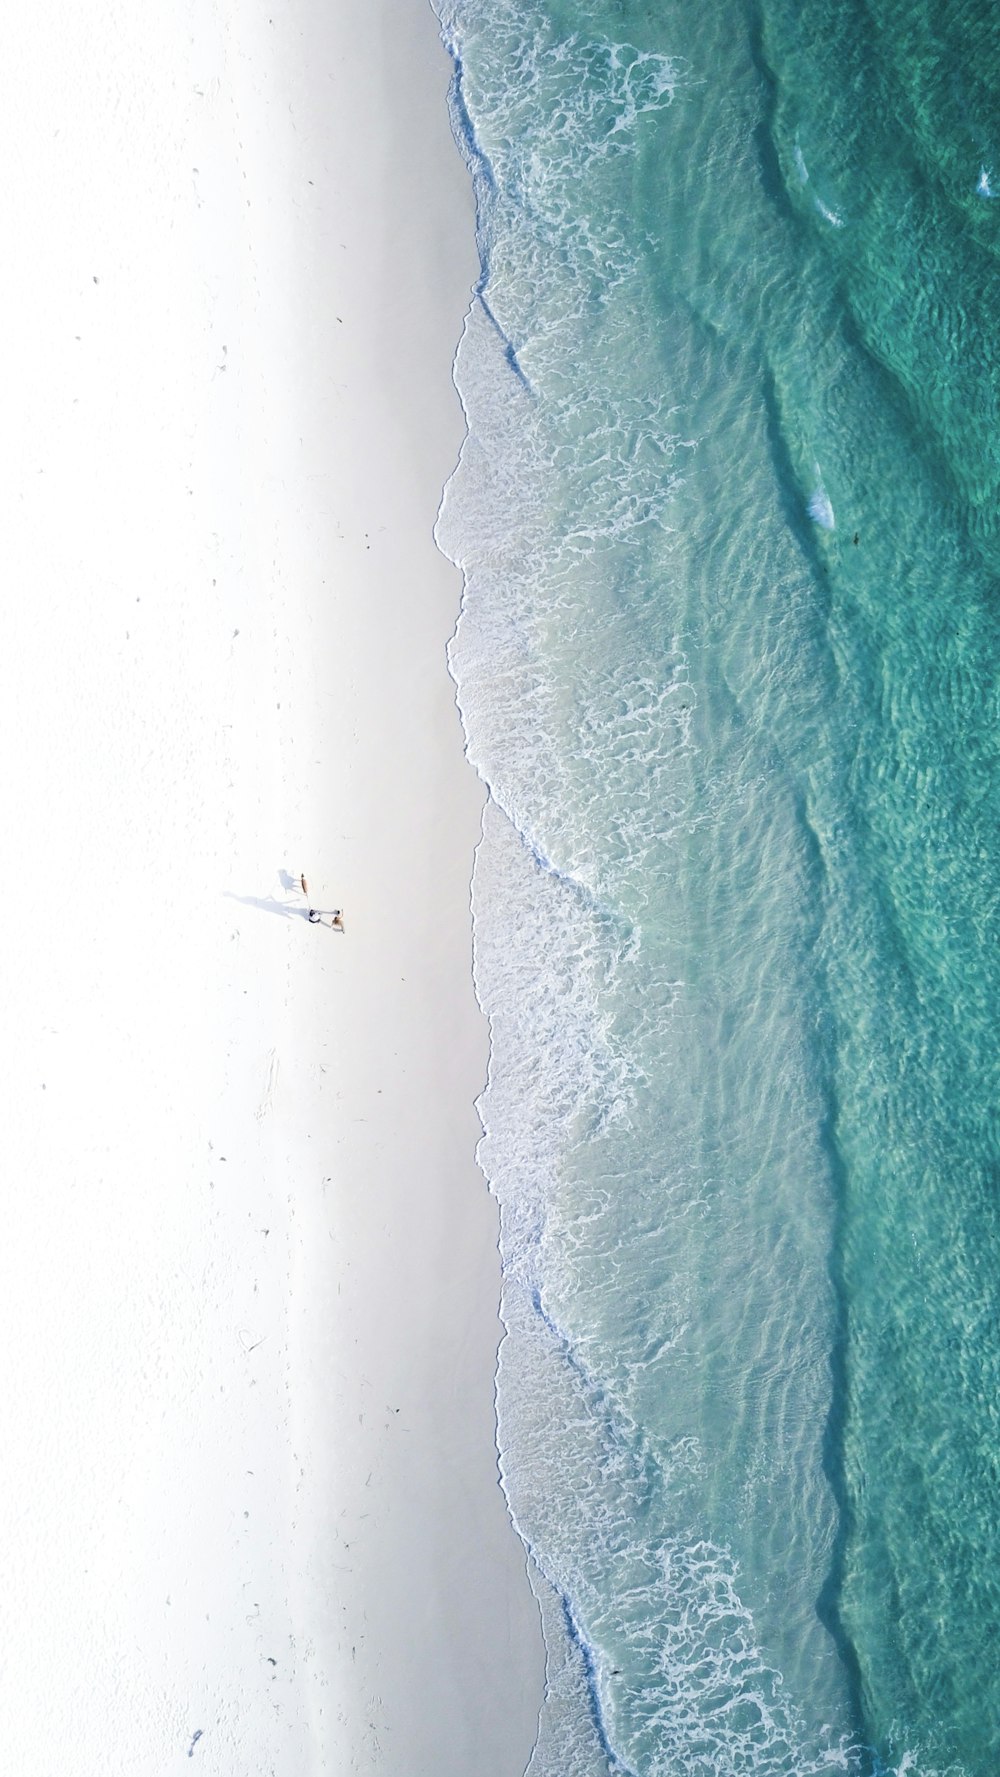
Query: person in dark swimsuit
(336,918)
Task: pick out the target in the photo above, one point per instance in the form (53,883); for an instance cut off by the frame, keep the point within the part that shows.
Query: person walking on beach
(336,918)
(316,916)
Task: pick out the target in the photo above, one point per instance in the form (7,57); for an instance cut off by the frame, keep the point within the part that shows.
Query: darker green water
(892,109)
(878,346)
(782,1260)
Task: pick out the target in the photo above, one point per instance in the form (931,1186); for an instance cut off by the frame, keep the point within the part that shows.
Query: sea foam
(624,1229)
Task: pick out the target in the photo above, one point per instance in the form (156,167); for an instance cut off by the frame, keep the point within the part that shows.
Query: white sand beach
(249,1510)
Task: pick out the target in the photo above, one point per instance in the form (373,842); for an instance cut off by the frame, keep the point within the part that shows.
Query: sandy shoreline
(248,1292)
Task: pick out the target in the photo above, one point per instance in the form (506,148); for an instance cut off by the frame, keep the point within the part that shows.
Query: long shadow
(268,904)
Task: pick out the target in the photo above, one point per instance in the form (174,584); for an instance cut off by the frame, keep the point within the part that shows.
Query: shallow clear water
(729,523)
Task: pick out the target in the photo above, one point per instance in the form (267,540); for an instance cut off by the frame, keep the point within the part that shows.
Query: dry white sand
(248,1272)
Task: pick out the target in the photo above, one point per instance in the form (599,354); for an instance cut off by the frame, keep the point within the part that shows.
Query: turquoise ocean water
(729,519)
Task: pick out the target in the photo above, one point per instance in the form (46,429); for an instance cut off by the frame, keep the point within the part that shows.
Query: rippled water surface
(729,522)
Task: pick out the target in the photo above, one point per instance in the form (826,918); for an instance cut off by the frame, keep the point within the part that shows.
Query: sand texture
(248,1500)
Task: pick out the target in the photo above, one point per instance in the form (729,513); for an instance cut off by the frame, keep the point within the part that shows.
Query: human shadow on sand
(269,905)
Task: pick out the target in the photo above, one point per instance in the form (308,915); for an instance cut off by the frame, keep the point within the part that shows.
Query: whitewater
(738,1117)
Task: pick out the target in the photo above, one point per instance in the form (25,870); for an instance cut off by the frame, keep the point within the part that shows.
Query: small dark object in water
(857,537)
